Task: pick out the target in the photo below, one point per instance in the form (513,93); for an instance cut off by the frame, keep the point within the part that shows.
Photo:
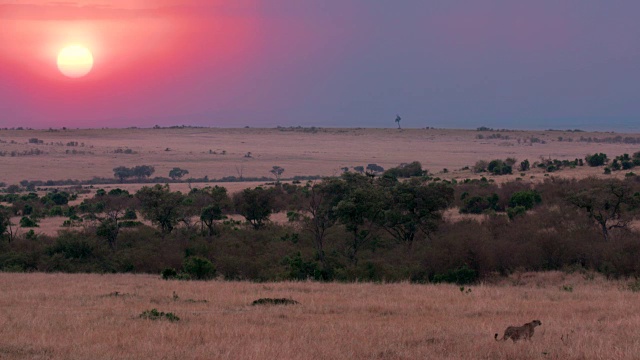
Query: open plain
(219,153)
(65,316)
(45,316)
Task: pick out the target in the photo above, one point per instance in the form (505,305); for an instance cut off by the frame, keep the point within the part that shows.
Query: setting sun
(75,61)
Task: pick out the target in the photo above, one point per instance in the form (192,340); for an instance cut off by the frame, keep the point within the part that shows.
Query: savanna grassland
(555,240)
(300,151)
(45,316)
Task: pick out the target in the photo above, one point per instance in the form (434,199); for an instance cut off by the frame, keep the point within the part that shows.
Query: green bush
(154,314)
(169,273)
(597,159)
(27,222)
(512,212)
(461,276)
(528,199)
(199,268)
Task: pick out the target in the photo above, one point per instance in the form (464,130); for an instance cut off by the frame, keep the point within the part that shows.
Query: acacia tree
(358,212)
(319,211)
(177,173)
(255,205)
(609,205)
(209,215)
(161,206)
(114,205)
(277,171)
(411,207)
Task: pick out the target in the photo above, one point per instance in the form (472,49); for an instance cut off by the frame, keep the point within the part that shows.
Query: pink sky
(457,63)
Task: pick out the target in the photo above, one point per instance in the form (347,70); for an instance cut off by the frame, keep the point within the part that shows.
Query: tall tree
(161,206)
(609,205)
(177,173)
(319,211)
(277,171)
(412,207)
(256,205)
(358,211)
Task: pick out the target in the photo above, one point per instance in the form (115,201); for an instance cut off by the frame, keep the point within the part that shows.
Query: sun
(75,61)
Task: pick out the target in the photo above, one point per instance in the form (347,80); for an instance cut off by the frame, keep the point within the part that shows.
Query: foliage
(597,159)
(461,276)
(199,268)
(256,205)
(154,314)
(406,170)
(499,167)
(480,204)
(160,205)
(28,222)
(412,207)
(177,173)
(277,171)
(526,199)
(141,172)
(274,301)
(608,204)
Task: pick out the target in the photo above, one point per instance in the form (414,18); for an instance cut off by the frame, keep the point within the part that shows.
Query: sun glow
(75,61)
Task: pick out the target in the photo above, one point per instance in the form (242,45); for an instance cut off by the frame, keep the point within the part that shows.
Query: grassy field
(63,316)
(301,152)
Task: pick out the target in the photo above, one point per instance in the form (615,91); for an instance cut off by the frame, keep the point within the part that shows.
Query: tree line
(351,227)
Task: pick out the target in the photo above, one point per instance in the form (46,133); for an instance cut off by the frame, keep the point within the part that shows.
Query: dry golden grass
(60,316)
(300,153)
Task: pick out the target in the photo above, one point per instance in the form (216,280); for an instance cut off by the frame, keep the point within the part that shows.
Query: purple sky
(516,64)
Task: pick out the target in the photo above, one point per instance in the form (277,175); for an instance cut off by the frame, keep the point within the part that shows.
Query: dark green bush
(27,222)
(169,273)
(461,276)
(199,268)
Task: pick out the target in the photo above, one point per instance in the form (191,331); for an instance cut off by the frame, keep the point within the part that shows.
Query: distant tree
(177,173)
(122,173)
(398,119)
(143,171)
(374,169)
(256,205)
(406,170)
(359,169)
(525,165)
(277,171)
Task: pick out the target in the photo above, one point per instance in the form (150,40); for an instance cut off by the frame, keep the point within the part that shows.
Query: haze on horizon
(349,63)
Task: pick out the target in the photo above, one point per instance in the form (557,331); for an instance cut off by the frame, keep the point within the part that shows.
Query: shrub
(499,167)
(406,170)
(27,222)
(461,276)
(270,301)
(154,314)
(512,212)
(527,199)
(597,159)
(169,273)
(199,268)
